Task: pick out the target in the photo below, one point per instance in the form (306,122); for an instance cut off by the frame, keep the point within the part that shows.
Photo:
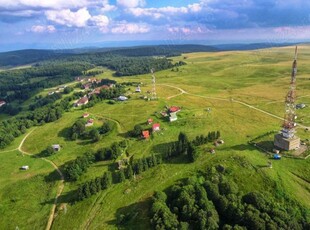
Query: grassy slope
(259,78)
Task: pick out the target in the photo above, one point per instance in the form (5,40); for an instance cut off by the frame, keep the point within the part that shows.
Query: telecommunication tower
(154,96)
(287,139)
(289,124)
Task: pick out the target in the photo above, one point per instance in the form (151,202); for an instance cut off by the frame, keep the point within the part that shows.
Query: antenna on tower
(154,96)
(287,139)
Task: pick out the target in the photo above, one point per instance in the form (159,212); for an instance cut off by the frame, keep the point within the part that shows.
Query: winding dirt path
(224,99)
(60,187)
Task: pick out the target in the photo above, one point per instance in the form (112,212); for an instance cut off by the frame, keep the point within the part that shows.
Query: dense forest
(211,201)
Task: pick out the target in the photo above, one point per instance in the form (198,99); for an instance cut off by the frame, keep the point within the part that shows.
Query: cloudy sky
(76,23)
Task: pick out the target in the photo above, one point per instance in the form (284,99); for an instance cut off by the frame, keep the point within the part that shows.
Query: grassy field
(211,80)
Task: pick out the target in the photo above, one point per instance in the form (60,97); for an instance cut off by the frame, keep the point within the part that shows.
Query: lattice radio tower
(154,96)
(289,124)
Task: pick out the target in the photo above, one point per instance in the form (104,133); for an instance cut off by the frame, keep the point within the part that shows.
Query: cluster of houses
(2,103)
(171,112)
(155,128)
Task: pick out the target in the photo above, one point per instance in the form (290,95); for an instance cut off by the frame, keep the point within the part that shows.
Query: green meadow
(214,84)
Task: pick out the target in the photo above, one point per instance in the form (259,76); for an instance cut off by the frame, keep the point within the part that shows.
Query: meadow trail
(223,99)
(60,187)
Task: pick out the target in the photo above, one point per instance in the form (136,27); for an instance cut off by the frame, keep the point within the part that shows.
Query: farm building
(86,86)
(56,147)
(173,117)
(149,121)
(24,167)
(82,101)
(2,103)
(156,127)
(85,115)
(145,134)
(90,122)
(51,93)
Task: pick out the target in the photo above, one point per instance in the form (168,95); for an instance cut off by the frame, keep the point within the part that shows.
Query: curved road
(60,187)
(223,99)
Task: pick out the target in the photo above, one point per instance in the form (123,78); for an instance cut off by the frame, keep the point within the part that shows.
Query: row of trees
(74,169)
(201,139)
(94,186)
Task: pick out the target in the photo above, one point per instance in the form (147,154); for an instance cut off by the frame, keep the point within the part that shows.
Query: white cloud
(69,18)
(47,4)
(130,3)
(187,30)
(43,29)
(167,11)
(130,28)
(101,21)
(107,7)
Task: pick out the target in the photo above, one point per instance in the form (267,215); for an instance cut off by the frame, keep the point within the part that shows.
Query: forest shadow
(134,216)
(52,177)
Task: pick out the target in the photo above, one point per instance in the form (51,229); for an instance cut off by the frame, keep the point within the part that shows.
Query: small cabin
(173,117)
(85,115)
(2,103)
(24,167)
(138,89)
(56,147)
(82,101)
(212,151)
(122,98)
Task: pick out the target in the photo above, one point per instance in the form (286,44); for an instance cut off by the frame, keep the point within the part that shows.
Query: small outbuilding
(24,167)
(85,115)
(212,151)
(276,157)
(2,103)
(56,147)
(138,89)
(149,121)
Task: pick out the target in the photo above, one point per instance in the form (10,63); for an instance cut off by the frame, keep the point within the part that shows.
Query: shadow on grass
(65,133)
(134,216)
(53,176)
(68,197)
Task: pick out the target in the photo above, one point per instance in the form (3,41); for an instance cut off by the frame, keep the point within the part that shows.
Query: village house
(81,101)
(86,86)
(138,89)
(174,109)
(51,93)
(156,127)
(2,103)
(149,121)
(145,134)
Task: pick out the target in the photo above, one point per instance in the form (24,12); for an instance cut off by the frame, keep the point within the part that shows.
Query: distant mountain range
(29,56)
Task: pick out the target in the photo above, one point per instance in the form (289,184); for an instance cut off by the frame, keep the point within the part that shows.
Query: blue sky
(58,24)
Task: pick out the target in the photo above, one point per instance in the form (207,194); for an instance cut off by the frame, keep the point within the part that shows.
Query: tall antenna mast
(154,85)
(289,124)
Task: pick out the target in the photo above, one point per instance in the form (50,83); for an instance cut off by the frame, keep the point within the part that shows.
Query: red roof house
(156,127)
(145,134)
(82,101)
(174,109)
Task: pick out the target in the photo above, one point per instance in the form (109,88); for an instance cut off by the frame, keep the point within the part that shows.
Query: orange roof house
(145,134)
(174,109)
